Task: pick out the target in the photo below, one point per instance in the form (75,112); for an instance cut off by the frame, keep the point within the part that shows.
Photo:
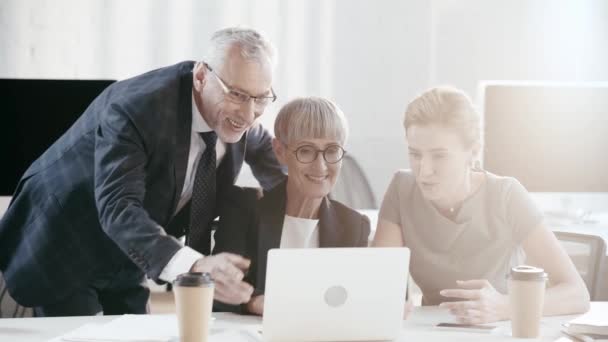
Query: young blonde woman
(467,227)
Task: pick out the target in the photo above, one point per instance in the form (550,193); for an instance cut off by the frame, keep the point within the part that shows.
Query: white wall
(370,56)
(552,40)
(381,59)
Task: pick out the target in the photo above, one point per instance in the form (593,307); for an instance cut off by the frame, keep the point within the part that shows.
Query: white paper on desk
(240,335)
(128,328)
(597,316)
(86,327)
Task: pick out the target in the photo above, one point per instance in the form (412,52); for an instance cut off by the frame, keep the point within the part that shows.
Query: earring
(476,164)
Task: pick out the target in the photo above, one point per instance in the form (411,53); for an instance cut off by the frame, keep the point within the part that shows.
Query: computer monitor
(551,137)
(35,113)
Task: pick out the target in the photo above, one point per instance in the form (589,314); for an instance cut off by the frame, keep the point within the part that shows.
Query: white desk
(419,327)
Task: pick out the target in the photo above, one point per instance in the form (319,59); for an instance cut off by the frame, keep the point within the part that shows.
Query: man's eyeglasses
(238,97)
(307,154)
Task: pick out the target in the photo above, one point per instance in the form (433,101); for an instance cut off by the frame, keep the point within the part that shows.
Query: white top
(299,233)
(183,260)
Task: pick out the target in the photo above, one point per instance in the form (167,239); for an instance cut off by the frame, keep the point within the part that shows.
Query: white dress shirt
(299,233)
(183,260)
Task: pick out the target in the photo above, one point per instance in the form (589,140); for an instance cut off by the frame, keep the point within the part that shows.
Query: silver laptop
(335,294)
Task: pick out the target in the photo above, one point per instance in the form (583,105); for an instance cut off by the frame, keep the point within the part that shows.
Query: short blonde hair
(446,107)
(312,118)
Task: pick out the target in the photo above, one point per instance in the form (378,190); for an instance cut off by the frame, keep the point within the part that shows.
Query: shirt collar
(198,122)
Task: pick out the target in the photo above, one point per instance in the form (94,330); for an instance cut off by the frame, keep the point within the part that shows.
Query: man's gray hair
(252,44)
(310,118)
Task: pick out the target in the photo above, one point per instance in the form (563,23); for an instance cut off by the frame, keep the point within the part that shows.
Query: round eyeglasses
(307,154)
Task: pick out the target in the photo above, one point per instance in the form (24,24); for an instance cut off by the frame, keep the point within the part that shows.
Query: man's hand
(482,304)
(227,271)
(256,305)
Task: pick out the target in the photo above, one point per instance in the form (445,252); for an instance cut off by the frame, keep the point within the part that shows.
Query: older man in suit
(102,207)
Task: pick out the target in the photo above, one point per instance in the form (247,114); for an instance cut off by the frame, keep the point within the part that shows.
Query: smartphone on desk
(466,327)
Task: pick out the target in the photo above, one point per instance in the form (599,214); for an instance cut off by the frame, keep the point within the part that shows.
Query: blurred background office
(537,69)
(370,56)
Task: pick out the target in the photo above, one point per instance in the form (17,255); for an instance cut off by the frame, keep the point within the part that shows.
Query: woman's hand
(256,305)
(481,304)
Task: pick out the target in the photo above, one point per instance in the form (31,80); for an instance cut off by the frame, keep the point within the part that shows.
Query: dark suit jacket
(98,199)
(251,227)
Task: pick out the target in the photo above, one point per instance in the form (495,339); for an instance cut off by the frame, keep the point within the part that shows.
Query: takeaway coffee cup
(526,299)
(193,301)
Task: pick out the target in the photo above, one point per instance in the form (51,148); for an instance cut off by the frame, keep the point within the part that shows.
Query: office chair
(8,307)
(352,187)
(587,253)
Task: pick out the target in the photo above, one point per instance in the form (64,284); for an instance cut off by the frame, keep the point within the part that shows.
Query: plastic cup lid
(194,279)
(525,272)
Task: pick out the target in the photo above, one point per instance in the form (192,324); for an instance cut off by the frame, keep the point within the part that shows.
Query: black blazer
(251,227)
(98,200)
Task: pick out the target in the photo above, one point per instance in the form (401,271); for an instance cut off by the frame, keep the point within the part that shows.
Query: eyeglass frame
(317,151)
(230,89)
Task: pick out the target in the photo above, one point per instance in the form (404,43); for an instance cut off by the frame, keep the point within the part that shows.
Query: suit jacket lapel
(182,141)
(272,215)
(328,225)
(233,159)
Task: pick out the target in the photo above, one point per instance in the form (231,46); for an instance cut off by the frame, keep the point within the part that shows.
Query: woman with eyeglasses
(466,227)
(309,137)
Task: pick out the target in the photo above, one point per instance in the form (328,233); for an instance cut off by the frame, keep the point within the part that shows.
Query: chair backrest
(352,187)
(8,307)
(587,253)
